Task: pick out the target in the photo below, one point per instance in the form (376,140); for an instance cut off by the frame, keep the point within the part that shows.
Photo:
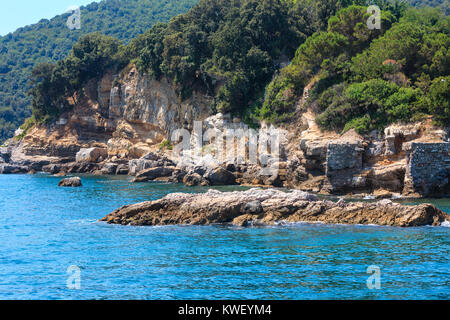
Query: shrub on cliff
(52,84)
(367,80)
(370,105)
(439,95)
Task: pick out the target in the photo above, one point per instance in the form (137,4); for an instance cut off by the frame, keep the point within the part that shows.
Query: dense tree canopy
(51,40)
(237,44)
(226,48)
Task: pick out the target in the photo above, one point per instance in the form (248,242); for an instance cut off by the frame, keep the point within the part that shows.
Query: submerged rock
(70,182)
(270,206)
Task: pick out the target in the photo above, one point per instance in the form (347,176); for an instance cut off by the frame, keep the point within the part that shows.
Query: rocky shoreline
(425,173)
(268,207)
(127,129)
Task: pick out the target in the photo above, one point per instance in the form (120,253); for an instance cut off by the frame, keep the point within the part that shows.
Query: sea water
(53,247)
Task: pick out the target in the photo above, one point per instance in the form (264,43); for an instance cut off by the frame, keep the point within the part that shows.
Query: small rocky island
(268,207)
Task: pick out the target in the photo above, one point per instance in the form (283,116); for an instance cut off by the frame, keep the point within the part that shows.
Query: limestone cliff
(406,159)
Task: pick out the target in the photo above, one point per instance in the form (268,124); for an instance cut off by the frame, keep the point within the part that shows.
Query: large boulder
(138,165)
(220,176)
(149,161)
(109,169)
(388,177)
(52,168)
(70,182)
(91,155)
(151,156)
(80,167)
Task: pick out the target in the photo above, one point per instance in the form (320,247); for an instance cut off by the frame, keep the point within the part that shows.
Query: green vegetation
(26,126)
(166,145)
(51,40)
(246,54)
(444,5)
(368,78)
(326,53)
(232,45)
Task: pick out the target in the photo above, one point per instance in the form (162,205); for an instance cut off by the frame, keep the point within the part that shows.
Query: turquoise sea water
(45,229)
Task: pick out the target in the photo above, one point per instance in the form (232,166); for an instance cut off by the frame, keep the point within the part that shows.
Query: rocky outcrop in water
(154,173)
(149,161)
(70,182)
(270,206)
(12,169)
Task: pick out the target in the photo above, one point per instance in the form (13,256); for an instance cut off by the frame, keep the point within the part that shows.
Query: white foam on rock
(445,224)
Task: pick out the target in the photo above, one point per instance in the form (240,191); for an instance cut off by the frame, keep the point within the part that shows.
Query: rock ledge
(268,207)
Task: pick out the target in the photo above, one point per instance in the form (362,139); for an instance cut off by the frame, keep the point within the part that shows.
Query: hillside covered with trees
(366,80)
(51,40)
(256,56)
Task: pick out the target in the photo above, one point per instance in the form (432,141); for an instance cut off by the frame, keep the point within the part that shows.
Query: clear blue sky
(19,13)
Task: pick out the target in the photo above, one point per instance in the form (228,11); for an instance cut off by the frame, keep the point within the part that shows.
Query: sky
(20,13)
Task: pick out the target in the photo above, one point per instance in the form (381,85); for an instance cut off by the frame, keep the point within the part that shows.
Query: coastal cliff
(121,121)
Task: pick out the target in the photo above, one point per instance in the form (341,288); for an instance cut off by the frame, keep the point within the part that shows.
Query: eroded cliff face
(127,114)
(404,160)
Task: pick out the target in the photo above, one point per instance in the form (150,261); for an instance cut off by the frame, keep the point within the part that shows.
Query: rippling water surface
(45,229)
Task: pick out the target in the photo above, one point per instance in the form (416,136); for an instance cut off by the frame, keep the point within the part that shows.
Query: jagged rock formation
(150,160)
(271,206)
(91,155)
(428,168)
